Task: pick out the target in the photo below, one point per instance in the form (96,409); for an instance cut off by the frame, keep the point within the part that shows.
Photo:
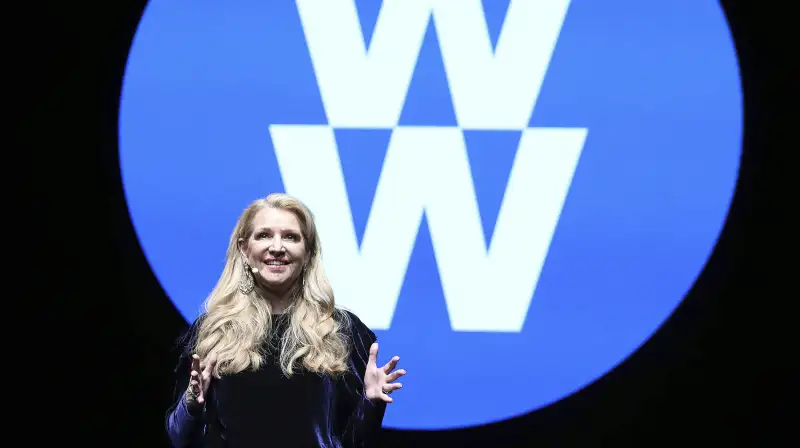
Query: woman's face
(276,248)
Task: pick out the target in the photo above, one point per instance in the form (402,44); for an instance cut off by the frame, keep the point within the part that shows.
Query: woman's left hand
(379,381)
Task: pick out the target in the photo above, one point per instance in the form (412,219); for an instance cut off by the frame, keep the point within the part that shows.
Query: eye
(262,235)
(292,237)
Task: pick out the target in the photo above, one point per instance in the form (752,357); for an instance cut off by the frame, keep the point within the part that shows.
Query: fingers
(387,398)
(199,376)
(389,388)
(391,364)
(196,383)
(195,363)
(194,378)
(210,362)
(395,375)
(373,354)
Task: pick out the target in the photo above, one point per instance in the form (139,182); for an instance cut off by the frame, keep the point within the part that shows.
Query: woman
(271,361)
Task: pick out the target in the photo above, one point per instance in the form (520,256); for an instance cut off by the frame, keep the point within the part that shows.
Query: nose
(276,247)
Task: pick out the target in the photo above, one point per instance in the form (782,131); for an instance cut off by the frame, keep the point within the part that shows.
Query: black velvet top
(264,408)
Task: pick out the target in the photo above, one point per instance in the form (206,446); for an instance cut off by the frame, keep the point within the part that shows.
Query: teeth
(276,263)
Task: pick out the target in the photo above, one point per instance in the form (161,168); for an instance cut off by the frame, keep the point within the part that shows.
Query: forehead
(273,218)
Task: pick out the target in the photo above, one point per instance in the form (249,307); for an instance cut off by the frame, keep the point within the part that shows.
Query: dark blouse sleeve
(184,426)
(362,418)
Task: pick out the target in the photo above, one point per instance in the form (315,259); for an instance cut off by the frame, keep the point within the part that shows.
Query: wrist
(192,406)
(190,398)
(189,394)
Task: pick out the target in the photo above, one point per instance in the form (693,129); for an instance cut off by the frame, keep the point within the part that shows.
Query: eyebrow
(284,230)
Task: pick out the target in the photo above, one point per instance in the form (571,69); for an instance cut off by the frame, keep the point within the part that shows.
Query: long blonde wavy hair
(234,325)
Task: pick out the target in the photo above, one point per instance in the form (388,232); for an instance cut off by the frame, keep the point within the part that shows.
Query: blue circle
(656,85)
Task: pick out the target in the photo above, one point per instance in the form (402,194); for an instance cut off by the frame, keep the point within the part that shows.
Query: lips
(274,265)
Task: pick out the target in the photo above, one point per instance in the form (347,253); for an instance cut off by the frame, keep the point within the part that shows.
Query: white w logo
(426,169)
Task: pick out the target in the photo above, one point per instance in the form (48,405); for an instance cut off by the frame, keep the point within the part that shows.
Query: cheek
(298,253)
(255,248)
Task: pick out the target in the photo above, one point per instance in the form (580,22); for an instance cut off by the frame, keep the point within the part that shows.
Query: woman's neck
(278,301)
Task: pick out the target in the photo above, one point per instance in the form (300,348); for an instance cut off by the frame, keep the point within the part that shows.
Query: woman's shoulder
(349,319)
(184,345)
(353,325)
(188,337)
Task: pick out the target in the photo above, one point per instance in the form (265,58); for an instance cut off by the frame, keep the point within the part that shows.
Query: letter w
(369,281)
(367,89)
(363,88)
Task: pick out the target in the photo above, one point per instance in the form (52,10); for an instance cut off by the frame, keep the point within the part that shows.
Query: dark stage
(709,376)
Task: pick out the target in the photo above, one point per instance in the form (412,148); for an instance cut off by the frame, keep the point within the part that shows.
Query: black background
(709,376)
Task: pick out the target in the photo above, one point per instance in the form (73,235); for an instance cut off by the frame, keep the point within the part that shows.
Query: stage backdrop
(513,195)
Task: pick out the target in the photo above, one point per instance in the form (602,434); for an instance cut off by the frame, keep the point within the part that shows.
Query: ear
(242,247)
(309,258)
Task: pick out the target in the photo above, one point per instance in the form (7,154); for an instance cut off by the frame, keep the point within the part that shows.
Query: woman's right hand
(200,376)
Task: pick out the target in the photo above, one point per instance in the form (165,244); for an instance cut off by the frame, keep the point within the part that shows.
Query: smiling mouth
(276,263)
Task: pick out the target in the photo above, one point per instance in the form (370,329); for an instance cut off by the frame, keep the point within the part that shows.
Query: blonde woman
(271,361)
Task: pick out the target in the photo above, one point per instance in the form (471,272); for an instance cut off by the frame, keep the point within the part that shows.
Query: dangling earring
(303,280)
(246,283)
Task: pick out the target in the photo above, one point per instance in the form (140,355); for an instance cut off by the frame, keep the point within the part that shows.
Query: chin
(277,284)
